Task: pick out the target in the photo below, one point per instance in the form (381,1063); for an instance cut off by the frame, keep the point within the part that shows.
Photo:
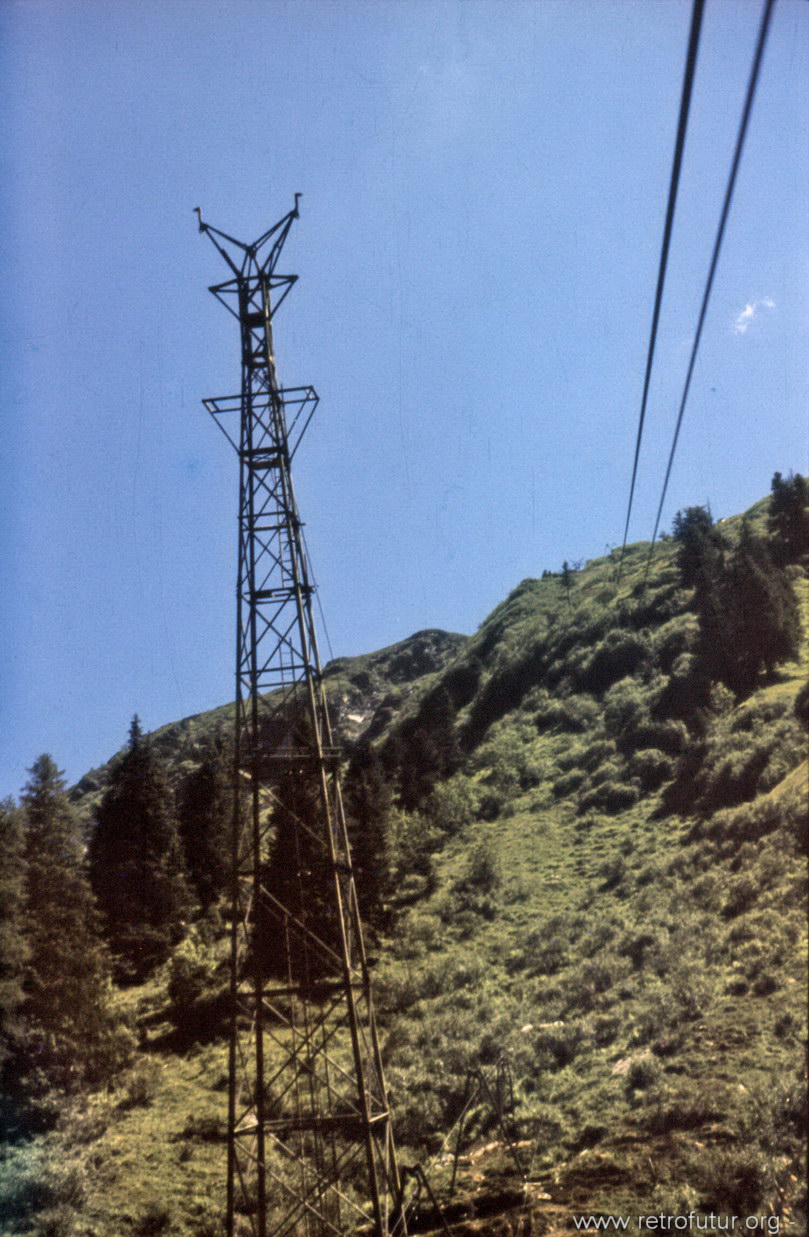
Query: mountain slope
(599,974)
(364,693)
(627,920)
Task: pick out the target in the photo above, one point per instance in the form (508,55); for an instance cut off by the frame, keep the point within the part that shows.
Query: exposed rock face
(366,693)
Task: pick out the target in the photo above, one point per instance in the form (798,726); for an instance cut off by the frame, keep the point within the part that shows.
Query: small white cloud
(749,312)
(744,319)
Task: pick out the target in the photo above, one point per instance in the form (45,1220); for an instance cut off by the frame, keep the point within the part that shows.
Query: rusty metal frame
(310,1146)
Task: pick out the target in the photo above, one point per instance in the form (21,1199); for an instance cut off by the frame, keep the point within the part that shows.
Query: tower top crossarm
(251,256)
(253,266)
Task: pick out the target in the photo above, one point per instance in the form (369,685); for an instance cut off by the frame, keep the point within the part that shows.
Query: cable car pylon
(310,1145)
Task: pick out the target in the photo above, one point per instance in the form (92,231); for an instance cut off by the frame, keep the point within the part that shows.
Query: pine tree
(700,547)
(297,908)
(748,615)
(136,861)
(759,614)
(368,801)
(13,946)
(68,1035)
(429,749)
(701,562)
(205,826)
(788,519)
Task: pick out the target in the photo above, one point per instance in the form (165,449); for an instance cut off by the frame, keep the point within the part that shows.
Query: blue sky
(484,191)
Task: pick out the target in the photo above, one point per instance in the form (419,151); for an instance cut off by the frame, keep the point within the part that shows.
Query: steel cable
(682,125)
(731,184)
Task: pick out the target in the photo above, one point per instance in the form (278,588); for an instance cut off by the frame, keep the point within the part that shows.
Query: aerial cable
(748,107)
(685,103)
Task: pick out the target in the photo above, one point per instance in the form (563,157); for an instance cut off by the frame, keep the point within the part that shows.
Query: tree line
(79,915)
(749,620)
(82,912)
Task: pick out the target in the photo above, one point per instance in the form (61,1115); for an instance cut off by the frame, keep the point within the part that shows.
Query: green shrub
(210,1224)
(742,894)
(606,1028)
(733,827)
(707,891)
(668,736)
(418,1111)
(755,716)
(608,771)
(484,874)
(547,950)
(739,761)
(155,1218)
(141,1084)
(189,980)
(57,1221)
(651,768)
(685,1106)
(509,683)
(612,872)
(507,758)
(609,797)
(413,840)
(205,1127)
(572,714)
(34,1191)
(84,1124)
(558,1045)
(692,988)
(592,978)
(568,784)
(477,889)
(765,985)
(585,755)
(673,639)
(625,706)
(590,1135)
(453,804)
(491,804)
(732,1181)
(619,654)
(637,944)
(643,1072)
(801,706)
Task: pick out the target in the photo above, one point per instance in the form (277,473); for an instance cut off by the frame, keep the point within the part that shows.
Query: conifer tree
(429,749)
(368,801)
(136,861)
(700,550)
(701,562)
(788,518)
(748,615)
(205,823)
(68,1036)
(758,614)
(298,884)
(13,948)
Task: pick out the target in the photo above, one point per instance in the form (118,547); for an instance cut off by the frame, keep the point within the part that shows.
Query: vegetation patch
(579,838)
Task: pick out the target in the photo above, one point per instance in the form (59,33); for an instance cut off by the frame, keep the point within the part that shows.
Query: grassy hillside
(597,981)
(619,908)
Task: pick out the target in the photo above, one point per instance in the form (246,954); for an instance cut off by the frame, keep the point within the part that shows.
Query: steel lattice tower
(310,1149)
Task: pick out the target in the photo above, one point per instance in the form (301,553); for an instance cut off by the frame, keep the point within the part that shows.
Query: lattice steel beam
(310,1148)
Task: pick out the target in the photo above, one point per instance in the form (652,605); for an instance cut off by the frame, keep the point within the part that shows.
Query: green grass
(636,955)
